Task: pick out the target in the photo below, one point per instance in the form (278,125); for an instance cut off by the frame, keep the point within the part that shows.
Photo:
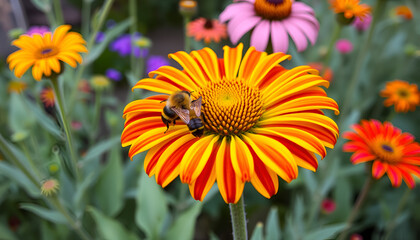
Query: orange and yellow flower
(207,29)
(44,52)
(16,86)
(350,8)
(260,121)
(404,12)
(391,151)
(403,95)
(327,71)
(47,97)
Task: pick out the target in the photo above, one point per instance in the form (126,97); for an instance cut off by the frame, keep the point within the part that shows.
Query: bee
(180,106)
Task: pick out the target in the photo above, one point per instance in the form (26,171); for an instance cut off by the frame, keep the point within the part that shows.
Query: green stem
(61,111)
(237,213)
(133,29)
(96,28)
(336,34)
(401,206)
(86,8)
(360,199)
(97,115)
(58,12)
(51,18)
(187,40)
(348,98)
(30,159)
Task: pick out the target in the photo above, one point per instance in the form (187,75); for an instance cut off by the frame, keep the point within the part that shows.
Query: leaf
(272,229)
(326,232)
(152,208)
(17,176)
(100,148)
(6,233)
(47,214)
(184,225)
(81,192)
(110,186)
(45,121)
(43,5)
(258,232)
(20,117)
(108,228)
(112,33)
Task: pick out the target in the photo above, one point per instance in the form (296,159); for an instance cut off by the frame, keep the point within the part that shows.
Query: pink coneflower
(206,29)
(344,46)
(362,26)
(276,18)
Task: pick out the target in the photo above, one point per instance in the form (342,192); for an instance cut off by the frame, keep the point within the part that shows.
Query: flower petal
(260,35)
(279,37)
(232,60)
(265,180)
(378,169)
(242,161)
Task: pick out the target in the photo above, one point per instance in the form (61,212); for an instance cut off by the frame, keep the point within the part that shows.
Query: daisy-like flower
(391,151)
(404,12)
(50,187)
(403,95)
(275,19)
(100,82)
(16,86)
(350,9)
(44,52)
(207,29)
(260,121)
(47,97)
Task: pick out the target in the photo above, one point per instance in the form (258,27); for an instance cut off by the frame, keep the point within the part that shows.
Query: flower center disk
(230,107)
(273,9)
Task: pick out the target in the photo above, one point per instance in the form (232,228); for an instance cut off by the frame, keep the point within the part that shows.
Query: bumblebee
(180,106)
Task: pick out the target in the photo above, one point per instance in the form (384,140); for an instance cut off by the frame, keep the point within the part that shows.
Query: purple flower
(113,74)
(361,26)
(37,29)
(154,62)
(100,37)
(123,45)
(344,46)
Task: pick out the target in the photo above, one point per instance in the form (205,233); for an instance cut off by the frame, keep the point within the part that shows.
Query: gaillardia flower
(350,9)
(47,97)
(403,95)
(44,52)
(260,121)
(391,151)
(209,30)
(275,18)
(404,12)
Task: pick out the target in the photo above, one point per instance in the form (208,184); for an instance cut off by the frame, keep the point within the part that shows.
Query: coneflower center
(403,93)
(273,9)
(230,107)
(208,24)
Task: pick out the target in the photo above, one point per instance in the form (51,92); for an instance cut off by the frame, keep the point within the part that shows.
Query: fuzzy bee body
(180,106)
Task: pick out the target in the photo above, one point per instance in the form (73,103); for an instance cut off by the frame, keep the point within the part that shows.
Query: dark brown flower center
(208,24)
(273,9)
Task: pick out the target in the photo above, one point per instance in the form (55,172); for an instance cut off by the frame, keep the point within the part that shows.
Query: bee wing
(184,114)
(196,106)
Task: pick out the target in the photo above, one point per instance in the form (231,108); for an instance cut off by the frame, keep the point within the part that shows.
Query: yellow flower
(100,82)
(350,8)
(16,86)
(44,52)
(403,95)
(260,121)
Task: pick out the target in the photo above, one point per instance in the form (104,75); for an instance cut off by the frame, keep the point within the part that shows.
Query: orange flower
(16,86)
(328,73)
(350,8)
(260,121)
(403,95)
(391,151)
(404,12)
(47,97)
(207,29)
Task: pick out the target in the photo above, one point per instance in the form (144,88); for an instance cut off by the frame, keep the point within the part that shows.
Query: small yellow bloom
(44,53)
(100,82)
(49,187)
(16,86)
(143,42)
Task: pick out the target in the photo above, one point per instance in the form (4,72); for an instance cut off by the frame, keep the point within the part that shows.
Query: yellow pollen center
(230,107)
(273,9)
(403,93)
(387,151)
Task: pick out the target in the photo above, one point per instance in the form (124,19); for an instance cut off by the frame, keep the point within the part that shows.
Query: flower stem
(58,12)
(61,110)
(360,199)
(401,205)
(133,29)
(379,8)
(97,115)
(86,8)
(336,34)
(187,40)
(237,213)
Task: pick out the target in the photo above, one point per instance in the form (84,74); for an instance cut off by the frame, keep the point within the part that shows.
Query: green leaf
(43,5)
(81,192)
(20,117)
(45,121)
(258,232)
(100,148)
(110,186)
(20,178)
(6,233)
(184,225)
(108,228)
(112,33)
(152,207)
(272,229)
(47,214)
(326,232)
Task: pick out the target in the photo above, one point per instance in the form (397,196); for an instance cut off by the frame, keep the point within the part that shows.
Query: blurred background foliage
(115,199)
